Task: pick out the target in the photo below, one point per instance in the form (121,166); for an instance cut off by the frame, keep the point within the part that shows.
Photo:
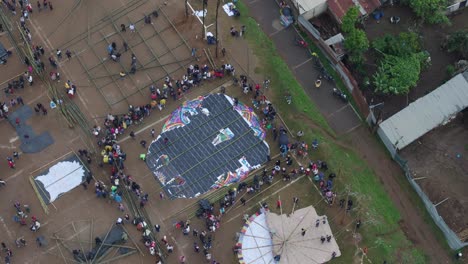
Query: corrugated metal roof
(339,7)
(427,112)
(307,5)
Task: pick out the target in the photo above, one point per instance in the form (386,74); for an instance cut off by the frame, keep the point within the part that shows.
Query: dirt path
(412,223)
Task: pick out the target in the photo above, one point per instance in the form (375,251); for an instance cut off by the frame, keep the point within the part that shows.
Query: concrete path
(341,117)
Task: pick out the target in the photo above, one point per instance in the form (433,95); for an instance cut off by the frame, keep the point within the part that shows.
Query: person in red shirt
(278,204)
(11,164)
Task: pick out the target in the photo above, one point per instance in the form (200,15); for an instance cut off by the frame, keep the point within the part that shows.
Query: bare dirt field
(87,28)
(439,160)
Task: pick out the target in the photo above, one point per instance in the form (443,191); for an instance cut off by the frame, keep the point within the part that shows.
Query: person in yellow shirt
(162,103)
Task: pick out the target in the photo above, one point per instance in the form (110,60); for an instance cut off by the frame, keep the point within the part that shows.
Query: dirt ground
(439,160)
(432,37)
(58,31)
(66,28)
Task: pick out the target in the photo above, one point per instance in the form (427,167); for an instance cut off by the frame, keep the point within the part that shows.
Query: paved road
(341,117)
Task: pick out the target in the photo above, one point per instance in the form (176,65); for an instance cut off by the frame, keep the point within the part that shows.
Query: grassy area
(382,234)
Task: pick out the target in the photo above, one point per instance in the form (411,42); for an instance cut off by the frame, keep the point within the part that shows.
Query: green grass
(382,233)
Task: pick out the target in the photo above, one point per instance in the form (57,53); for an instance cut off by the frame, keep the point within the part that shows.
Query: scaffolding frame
(154,62)
(62,243)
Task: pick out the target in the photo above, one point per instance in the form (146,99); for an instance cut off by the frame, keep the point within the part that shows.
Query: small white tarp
(61,178)
(227,9)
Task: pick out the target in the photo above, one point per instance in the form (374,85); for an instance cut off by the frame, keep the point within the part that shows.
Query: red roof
(339,7)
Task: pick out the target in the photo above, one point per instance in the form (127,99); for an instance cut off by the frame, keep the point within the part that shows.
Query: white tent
(291,239)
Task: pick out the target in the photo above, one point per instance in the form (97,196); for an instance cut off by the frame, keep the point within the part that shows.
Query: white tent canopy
(266,235)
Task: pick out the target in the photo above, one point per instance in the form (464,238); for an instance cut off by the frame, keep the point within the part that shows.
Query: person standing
(131,27)
(19,99)
(30,80)
(182,259)
(50,6)
(11,164)
(152,132)
(68,53)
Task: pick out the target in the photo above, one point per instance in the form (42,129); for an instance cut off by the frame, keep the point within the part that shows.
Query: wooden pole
(216,26)
(203,20)
(441,202)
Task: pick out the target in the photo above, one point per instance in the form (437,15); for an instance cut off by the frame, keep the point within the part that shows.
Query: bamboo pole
(43,204)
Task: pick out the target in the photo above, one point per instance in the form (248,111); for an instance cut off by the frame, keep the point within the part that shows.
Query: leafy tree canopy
(458,42)
(356,42)
(432,11)
(350,19)
(397,75)
(401,45)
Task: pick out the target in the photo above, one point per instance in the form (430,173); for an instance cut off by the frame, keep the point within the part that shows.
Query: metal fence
(452,239)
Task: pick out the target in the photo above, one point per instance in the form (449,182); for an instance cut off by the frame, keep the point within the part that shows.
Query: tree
(458,42)
(350,19)
(397,75)
(432,11)
(356,43)
(401,45)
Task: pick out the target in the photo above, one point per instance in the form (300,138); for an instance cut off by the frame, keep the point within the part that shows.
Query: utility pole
(216,25)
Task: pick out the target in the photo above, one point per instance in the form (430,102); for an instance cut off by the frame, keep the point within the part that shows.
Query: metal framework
(69,238)
(139,41)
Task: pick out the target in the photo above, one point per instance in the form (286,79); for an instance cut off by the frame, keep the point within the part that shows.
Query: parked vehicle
(286,16)
(394,19)
(340,95)
(300,42)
